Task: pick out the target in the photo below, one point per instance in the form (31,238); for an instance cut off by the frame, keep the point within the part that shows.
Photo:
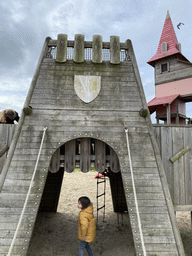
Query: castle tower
(90,92)
(173,78)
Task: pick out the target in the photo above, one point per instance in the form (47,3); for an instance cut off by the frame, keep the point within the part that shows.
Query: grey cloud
(24,25)
(10,51)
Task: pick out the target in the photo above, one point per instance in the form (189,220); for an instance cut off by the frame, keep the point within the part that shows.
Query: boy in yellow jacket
(87,228)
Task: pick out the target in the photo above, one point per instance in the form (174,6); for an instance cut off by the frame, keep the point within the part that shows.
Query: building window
(164,67)
(164,47)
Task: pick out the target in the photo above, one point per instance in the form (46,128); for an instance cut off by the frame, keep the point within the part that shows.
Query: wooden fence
(175,144)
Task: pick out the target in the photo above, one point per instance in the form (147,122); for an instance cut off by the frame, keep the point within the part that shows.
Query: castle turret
(173,78)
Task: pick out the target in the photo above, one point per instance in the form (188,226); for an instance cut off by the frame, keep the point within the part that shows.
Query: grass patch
(92,169)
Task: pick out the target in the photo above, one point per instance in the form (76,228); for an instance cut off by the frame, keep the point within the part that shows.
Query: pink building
(173,78)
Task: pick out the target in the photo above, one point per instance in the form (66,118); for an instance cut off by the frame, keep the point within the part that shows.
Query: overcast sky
(25,24)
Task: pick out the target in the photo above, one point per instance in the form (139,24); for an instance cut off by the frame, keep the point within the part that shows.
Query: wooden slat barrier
(173,139)
(55,161)
(85,159)
(114,161)
(100,156)
(70,156)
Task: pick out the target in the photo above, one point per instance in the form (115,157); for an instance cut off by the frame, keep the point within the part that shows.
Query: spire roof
(168,44)
(168,15)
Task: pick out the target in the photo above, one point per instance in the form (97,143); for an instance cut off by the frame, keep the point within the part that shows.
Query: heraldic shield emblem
(87,88)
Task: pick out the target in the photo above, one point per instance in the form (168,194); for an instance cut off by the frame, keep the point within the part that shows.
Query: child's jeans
(85,245)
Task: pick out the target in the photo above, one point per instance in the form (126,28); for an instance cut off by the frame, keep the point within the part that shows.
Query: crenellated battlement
(80,50)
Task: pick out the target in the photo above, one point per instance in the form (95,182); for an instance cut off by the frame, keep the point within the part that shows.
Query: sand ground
(55,233)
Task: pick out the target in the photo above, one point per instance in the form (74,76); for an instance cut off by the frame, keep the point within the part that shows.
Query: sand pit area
(55,234)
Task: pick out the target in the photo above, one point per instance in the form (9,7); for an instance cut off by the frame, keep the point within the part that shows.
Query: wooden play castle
(173,79)
(86,106)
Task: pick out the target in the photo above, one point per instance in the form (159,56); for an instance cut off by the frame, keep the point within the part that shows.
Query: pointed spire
(168,44)
(168,15)
(168,36)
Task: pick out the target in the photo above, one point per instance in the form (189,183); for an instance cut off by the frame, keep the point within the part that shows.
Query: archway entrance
(58,231)
(83,153)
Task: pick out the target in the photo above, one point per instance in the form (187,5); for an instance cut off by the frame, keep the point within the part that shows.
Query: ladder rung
(100,182)
(101,195)
(101,207)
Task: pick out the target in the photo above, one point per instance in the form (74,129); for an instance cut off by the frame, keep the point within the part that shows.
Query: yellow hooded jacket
(86,223)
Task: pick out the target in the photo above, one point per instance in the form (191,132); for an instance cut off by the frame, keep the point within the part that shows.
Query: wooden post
(168,114)
(79,48)
(85,160)
(97,49)
(114,161)
(177,116)
(70,147)
(114,50)
(61,54)
(100,156)
(55,162)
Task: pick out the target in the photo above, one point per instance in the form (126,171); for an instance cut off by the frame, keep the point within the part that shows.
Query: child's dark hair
(85,201)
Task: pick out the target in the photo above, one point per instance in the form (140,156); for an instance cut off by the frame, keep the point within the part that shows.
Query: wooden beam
(87,44)
(70,156)
(179,154)
(168,114)
(100,156)
(3,149)
(114,161)
(55,162)
(186,208)
(85,160)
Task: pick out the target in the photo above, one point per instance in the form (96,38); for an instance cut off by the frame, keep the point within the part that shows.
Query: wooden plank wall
(177,70)
(172,139)
(55,105)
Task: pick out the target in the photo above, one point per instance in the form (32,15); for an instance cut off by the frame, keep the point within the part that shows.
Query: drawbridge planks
(55,105)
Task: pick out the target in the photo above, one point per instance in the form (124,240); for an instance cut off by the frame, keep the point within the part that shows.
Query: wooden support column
(79,48)
(85,155)
(70,156)
(97,49)
(168,114)
(100,156)
(177,117)
(55,162)
(114,161)
(61,54)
